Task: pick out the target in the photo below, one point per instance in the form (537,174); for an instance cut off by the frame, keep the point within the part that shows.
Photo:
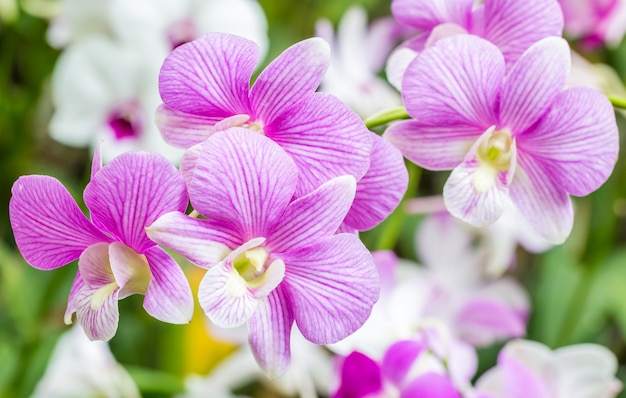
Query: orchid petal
(437,91)
(360,377)
(546,207)
(225,297)
(250,179)
(77,286)
(382,187)
(397,63)
(433,147)
(188,163)
(325,139)
(129,268)
(333,286)
(49,228)
(96,162)
(131,192)
(577,140)
(209,76)
(168,297)
(489,320)
(518,379)
(313,217)
(533,82)
(270,333)
(430,385)
(182,129)
(514,26)
(399,358)
(426,15)
(203,242)
(297,72)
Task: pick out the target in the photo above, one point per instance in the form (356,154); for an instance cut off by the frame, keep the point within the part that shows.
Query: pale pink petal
(533,83)
(425,15)
(77,286)
(131,192)
(514,26)
(313,217)
(182,129)
(209,76)
(244,179)
(397,63)
(225,298)
(188,162)
(325,138)
(168,297)
(577,140)
(483,321)
(443,31)
(386,263)
(333,286)
(475,192)
(433,147)
(294,74)
(98,321)
(382,187)
(203,242)
(431,385)
(546,206)
(270,333)
(49,228)
(455,83)
(518,380)
(130,269)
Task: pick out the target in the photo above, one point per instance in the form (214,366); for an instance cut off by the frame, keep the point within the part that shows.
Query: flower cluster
(278,180)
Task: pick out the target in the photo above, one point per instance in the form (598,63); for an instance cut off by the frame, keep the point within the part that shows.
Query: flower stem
(618,102)
(393,225)
(386,116)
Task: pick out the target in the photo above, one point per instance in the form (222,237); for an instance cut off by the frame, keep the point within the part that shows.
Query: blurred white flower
(81,368)
(358,55)
(77,19)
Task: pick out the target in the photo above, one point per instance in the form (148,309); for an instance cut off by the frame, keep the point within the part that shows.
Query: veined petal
(333,286)
(130,269)
(425,15)
(131,192)
(297,72)
(225,297)
(577,140)
(325,139)
(77,286)
(250,180)
(97,312)
(203,242)
(168,297)
(94,266)
(313,217)
(476,191)
(209,76)
(49,228)
(182,129)
(381,188)
(433,147)
(533,82)
(455,83)
(96,162)
(546,206)
(270,333)
(514,26)
(188,162)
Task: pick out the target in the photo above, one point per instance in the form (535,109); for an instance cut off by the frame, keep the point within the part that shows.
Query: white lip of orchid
(494,155)
(250,263)
(242,120)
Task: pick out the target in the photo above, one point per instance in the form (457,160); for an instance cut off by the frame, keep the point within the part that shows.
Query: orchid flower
(511,25)
(358,54)
(531,370)
(517,135)
(81,368)
(595,22)
(76,20)
(205,88)
(115,256)
(271,261)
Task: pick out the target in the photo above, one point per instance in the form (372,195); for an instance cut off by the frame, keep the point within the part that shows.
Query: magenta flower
(271,261)
(115,256)
(595,22)
(518,135)
(208,81)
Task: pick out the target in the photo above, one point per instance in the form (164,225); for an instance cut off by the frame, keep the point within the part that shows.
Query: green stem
(618,102)
(385,117)
(393,225)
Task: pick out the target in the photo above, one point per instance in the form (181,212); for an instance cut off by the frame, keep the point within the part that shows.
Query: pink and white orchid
(514,135)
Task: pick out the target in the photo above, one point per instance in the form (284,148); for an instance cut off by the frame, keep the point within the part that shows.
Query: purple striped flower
(115,256)
(517,135)
(271,261)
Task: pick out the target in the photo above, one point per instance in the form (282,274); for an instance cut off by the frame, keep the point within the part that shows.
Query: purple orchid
(595,22)
(517,135)
(205,88)
(271,261)
(115,256)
